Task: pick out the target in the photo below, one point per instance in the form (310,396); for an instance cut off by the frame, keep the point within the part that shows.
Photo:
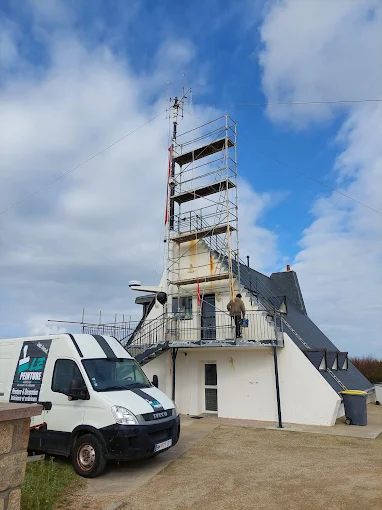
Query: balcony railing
(192,329)
(218,328)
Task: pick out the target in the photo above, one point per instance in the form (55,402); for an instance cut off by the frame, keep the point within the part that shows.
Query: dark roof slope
(287,281)
(265,287)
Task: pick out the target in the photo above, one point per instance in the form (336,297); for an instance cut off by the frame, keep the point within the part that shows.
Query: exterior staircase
(148,340)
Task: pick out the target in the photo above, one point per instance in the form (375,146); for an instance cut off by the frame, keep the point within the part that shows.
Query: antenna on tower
(176,109)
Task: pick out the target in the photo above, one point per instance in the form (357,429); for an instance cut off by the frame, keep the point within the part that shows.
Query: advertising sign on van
(29,372)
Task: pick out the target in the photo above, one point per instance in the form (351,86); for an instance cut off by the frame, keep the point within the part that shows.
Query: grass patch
(48,483)
(370,367)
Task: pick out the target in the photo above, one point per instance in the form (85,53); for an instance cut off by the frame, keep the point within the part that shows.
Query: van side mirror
(77,390)
(155,381)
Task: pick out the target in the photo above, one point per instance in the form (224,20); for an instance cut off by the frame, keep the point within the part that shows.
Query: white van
(98,404)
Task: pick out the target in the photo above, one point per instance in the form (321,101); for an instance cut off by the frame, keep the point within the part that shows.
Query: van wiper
(124,387)
(112,388)
(137,385)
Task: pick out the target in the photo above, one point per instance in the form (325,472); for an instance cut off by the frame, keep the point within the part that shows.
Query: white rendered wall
(198,261)
(246,384)
(161,367)
(306,397)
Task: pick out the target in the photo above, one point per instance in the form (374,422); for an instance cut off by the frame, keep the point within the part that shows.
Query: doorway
(208,322)
(210,388)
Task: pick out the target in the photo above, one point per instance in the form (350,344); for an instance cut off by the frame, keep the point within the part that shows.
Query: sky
(78,76)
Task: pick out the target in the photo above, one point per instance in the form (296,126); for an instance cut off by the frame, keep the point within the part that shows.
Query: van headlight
(123,416)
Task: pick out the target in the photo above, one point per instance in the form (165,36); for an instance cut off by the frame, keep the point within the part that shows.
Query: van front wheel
(87,456)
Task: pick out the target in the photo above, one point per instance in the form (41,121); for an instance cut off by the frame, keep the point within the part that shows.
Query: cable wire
(286,165)
(78,166)
(286,103)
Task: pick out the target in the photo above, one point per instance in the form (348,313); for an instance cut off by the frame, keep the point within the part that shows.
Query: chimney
(288,267)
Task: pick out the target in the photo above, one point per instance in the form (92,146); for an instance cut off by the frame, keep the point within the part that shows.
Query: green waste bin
(355,407)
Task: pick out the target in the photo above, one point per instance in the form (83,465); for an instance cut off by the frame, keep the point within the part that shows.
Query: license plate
(162,446)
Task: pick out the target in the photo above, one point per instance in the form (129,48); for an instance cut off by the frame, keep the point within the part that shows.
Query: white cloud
(325,51)
(320,51)
(78,242)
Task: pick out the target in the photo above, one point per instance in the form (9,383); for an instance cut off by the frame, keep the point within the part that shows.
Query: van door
(65,414)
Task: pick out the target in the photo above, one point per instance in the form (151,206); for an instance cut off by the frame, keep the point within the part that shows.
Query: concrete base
(370,431)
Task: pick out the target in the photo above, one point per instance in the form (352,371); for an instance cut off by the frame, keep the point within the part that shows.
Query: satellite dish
(162,298)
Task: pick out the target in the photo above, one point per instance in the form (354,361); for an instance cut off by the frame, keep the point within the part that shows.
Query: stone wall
(14,436)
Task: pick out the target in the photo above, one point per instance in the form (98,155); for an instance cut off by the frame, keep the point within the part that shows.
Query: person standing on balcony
(236,310)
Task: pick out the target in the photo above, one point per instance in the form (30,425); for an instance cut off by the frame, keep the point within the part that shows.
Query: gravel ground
(240,468)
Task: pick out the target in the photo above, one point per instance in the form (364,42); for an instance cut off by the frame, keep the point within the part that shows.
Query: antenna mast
(176,110)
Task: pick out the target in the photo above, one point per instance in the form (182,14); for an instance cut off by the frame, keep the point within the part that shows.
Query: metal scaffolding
(202,205)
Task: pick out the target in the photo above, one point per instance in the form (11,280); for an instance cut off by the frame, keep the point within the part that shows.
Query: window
(182,307)
(210,375)
(65,370)
(113,375)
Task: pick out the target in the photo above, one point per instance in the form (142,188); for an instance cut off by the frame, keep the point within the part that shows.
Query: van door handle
(47,406)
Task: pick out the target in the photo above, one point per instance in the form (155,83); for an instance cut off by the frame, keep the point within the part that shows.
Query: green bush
(46,482)
(370,367)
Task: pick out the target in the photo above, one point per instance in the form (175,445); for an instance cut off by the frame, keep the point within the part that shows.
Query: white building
(213,372)
(283,368)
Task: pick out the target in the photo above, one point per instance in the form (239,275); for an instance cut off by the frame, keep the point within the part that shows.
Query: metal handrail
(150,334)
(193,327)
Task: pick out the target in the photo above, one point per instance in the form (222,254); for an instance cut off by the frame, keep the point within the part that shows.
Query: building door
(210,388)
(208,317)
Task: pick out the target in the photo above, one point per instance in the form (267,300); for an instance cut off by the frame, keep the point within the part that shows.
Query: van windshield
(113,375)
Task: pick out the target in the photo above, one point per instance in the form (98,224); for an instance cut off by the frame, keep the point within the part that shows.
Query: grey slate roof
(258,283)
(288,283)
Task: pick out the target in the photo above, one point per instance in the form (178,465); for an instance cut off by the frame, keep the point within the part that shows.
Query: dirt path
(239,468)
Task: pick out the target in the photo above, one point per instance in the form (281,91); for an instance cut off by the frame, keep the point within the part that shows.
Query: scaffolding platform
(203,279)
(203,191)
(202,152)
(213,230)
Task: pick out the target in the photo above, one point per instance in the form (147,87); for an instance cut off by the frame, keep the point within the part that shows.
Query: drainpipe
(280,425)
(174,353)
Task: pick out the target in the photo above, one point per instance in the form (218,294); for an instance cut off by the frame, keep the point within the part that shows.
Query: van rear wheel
(88,457)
